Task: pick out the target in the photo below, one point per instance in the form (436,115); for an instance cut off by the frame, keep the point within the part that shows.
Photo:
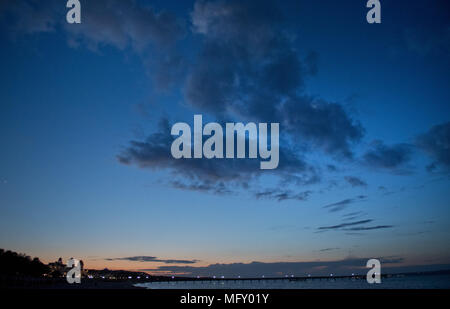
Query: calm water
(405,282)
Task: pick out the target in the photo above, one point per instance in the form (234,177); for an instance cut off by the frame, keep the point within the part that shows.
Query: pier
(256,279)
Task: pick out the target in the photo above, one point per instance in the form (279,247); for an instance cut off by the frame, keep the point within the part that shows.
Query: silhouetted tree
(13,263)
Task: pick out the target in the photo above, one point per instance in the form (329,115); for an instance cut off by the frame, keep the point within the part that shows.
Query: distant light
(353,274)
(239,276)
(173,277)
(198,277)
(146,277)
(103,277)
(214,277)
(292,275)
(309,275)
(139,277)
(129,277)
(263,276)
(222,277)
(331,275)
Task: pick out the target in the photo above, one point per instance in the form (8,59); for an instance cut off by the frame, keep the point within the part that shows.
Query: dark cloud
(240,75)
(215,175)
(151,259)
(261,77)
(325,125)
(278,269)
(436,142)
(344,203)
(355,181)
(339,226)
(390,157)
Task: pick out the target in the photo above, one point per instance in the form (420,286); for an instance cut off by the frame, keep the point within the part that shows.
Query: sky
(86,112)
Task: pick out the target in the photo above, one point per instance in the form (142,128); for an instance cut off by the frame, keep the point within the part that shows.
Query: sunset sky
(364,112)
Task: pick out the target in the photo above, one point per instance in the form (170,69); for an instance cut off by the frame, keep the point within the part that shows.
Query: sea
(439,281)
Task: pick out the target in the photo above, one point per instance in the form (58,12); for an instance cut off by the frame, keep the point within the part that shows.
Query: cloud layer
(144,258)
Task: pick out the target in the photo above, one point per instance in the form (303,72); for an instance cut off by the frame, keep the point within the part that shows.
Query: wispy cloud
(328,249)
(144,258)
(333,207)
(368,228)
(281,195)
(339,226)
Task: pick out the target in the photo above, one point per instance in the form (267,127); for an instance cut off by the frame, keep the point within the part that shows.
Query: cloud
(436,142)
(237,75)
(281,195)
(352,215)
(328,249)
(339,226)
(333,207)
(216,188)
(124,23)
(355,181)
(277,269)
(219,176)
(120,23)
(390,157)
(326,125)
(152,259)
(369,228)
(261,77)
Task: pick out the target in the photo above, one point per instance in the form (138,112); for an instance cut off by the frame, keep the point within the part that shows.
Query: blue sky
(363,111)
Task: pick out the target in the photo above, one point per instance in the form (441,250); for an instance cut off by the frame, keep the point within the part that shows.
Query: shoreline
(86,285)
